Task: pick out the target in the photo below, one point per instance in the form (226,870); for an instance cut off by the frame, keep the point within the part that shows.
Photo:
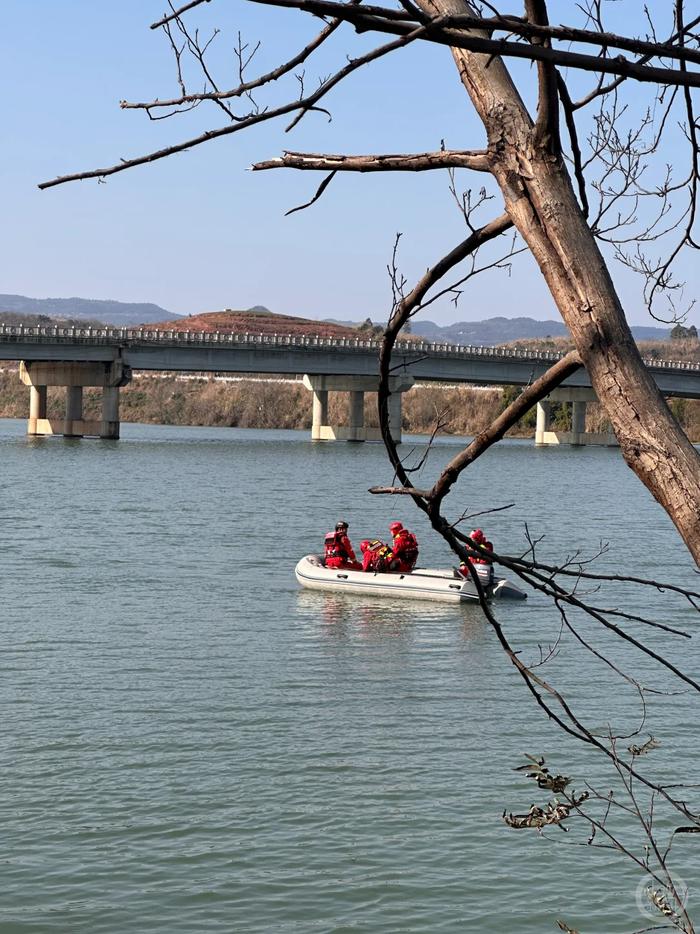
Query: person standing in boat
(405,548)
(483,563)
(376,556)
(338,550)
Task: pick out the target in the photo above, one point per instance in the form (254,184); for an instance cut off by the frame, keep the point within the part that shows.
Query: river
(190,743)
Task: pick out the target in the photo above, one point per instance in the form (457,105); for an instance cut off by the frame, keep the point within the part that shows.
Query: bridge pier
(356,387)
(356,430)
(395,415)
(37,407)
(578,397)
(39,375)
(73,425)
(319,412)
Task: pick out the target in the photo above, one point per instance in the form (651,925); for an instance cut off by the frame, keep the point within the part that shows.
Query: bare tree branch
(476,160)
(568,108)
(532,394)
(447,30)
(244,87)
(177,13)
(527,28)
(319,191)
(547,123)
(300,106)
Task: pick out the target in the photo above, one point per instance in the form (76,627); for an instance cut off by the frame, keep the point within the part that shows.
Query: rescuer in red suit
(478,537)
(338,550)
(405,548)
(376,556)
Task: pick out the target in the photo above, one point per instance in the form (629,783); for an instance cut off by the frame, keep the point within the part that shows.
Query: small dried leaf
(642,750)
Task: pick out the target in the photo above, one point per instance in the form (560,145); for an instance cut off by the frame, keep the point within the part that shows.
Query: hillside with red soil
(255,322)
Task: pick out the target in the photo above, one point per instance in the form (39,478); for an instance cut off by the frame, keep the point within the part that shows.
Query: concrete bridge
(105,357)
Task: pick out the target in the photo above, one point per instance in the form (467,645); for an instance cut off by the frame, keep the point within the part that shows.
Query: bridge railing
(10,333)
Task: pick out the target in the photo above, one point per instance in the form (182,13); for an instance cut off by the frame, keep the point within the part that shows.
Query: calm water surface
(190,743)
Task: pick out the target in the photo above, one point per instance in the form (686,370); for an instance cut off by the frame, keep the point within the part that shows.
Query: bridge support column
(37,407)
(356,431)
(395,416)
(577,397)
(320,413)
(73,426)
(110,413)
(74,377)
(578,422)
(544,421)
(356,386)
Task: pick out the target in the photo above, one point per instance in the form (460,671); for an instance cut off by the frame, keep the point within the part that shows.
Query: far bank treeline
(174,399)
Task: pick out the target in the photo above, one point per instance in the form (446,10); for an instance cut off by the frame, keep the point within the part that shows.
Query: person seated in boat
(482,561)
(338,550)
(405,548)
(376,556)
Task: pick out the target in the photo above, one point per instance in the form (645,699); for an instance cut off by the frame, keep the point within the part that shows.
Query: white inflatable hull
(420,584)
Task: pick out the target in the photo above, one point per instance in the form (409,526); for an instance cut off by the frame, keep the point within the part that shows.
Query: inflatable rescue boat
(419,584)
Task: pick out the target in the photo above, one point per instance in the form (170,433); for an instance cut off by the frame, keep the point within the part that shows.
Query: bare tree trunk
(526,161)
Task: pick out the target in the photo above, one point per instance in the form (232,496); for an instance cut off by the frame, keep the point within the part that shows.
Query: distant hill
(344,322)
(501,330)
(14,318)
(258,310)
(263,321)
(104,310)
(257,320)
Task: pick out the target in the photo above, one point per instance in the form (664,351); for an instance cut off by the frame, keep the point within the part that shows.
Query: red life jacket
(334,545)
(487,546)
(406,546)
(381,554)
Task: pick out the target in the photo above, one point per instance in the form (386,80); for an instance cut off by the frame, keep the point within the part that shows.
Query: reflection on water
(355,616)
(329,608)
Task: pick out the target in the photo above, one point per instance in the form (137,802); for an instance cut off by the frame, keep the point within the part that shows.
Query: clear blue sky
(197,232)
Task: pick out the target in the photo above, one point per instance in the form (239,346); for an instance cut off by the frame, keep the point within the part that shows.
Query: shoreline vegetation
(268,402)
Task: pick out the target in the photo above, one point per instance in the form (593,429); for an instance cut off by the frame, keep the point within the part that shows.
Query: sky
(198,231)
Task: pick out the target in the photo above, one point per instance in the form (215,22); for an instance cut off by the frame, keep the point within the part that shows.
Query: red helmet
(364,545)
(477,536)
(395,527)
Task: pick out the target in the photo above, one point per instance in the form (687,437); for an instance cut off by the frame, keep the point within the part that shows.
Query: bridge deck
(221,352)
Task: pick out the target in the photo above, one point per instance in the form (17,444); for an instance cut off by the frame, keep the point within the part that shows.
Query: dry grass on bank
(169,400)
